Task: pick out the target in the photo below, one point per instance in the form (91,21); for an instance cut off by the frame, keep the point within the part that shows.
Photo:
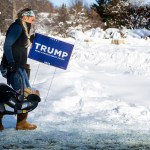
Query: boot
(36,92)
(22,124)
(1,125)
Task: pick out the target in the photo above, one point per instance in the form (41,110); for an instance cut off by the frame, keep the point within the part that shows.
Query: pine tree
(63,16)
(118,13)
(101,8)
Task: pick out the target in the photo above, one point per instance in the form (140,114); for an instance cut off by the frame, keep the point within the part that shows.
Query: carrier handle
(21,96)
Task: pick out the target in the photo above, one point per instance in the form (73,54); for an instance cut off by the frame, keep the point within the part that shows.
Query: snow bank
(141,32)
(78,35)
(108,33)
(98,32)
(102,96)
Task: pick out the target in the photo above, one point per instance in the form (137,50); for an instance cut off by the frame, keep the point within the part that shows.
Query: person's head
(27,15)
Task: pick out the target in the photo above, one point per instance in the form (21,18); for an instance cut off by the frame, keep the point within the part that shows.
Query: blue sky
(59,2)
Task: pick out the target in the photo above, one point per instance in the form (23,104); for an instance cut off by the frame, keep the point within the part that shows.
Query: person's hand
(12,67)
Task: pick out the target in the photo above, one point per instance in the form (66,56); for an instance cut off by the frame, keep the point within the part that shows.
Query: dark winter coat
(15,46)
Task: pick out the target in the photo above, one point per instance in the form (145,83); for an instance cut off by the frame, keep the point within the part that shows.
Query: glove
(12,67)
(32,37)
(3,71)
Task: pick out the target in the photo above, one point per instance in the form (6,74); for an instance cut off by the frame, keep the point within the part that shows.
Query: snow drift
(102,96)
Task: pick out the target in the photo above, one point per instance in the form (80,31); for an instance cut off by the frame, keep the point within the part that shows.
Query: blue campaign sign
(51,51)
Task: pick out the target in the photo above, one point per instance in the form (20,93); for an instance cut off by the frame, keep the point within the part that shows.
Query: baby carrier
(12,102)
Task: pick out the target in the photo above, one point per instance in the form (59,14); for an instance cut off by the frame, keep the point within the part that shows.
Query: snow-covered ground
(101,102)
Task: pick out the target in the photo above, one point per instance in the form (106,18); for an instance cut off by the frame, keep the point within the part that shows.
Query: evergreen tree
(101,7)
(117,13)
(61,21)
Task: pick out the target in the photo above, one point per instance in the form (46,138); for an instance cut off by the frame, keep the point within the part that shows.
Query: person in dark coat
(16,45)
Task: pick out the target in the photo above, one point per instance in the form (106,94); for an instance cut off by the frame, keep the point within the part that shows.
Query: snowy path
(101,101)
(74,140)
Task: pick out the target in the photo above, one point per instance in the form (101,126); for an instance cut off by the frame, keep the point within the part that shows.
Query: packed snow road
(74,140)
